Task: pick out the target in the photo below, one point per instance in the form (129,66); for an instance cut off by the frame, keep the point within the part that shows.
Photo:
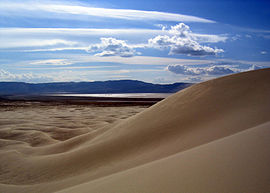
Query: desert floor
(211,137)
(35,124)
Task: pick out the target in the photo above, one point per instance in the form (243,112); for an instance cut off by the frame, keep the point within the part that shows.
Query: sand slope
(237,163)
(198,115)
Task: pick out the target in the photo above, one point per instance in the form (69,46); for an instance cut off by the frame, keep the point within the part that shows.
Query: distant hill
(97,87)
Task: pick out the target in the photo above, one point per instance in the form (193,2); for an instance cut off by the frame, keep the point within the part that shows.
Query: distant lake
(120,95)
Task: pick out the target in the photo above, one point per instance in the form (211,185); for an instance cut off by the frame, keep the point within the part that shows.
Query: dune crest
(198,115)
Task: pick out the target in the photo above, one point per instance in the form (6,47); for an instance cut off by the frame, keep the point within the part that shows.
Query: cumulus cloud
(219,70)
(181,30)
(181,69)
(112,47)
(194,71)
(182,41)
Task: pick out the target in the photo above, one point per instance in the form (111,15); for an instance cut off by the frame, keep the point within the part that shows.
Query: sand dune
(209,129)
(235,163)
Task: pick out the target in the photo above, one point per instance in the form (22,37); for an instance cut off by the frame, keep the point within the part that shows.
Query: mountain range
(97,87)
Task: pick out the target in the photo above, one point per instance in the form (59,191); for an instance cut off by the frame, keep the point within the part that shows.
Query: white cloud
(76,31)
(12,33)
(194,71)
(139,60)
(263,52)
(181,69)
(236,37)
(254,67)
(183,30)
(58,62)
(213,69)
(58,39)
(219,70)
(59,76)
(209,38)
(66,68)
(194,79)
(24,77)
(69,75)
(112,47)
(32,7)
(182,41)
(53,49)
(19,43)
(85,58)
(264,64)
(63,38)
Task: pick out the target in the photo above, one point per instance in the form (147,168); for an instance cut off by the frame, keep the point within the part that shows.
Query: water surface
(121,95)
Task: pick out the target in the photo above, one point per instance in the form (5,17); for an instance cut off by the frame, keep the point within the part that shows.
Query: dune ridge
(198,115)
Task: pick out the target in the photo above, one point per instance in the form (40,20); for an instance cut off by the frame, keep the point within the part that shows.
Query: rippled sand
(39,124)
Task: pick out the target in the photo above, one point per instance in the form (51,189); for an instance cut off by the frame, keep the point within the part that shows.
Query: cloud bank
(193,71)
(217,69)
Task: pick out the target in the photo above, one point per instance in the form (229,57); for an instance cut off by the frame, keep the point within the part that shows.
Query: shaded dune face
(194,116)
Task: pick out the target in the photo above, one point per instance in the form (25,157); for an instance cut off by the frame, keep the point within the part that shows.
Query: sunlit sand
(211,137)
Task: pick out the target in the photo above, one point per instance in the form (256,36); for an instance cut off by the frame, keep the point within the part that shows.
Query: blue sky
(153,41)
